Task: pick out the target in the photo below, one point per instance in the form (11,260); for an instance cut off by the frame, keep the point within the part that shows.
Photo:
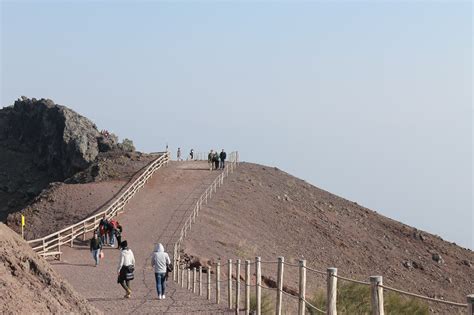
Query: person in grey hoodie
(159,260)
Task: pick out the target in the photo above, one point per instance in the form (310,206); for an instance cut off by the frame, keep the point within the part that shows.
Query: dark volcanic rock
(41,142)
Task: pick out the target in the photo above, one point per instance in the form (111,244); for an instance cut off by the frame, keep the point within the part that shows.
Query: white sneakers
(161,297)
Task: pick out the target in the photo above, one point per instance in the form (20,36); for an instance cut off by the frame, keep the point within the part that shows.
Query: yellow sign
(22,220)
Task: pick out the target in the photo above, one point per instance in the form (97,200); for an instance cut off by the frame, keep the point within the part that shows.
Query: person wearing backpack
(160,261)
(96,247)
(126,268)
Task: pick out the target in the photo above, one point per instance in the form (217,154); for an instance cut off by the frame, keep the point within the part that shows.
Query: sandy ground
(155,215)
(262,211)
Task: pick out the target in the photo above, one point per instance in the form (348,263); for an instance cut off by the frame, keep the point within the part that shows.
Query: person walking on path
(103,227)
(178,155)
(215,159)
(222,157)
(209,159)
(159,262)
(118,234)
(96,247)
(125,268)
(191,154)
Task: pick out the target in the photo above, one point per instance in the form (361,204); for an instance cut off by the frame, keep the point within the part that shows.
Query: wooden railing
(236,286)
(50,245)
(230,166)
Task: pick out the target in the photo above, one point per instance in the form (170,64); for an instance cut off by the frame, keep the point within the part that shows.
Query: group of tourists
(216,160)
(180,158)
(109,231)
(160,260)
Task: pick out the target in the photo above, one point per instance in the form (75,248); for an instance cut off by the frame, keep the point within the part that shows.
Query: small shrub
(354,298)
(267,308)
(127,145)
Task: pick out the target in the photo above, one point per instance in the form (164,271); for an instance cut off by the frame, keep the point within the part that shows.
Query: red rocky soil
(64,204)
(28,284)
(262,211)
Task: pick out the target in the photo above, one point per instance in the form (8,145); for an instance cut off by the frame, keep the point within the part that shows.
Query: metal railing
(50,245)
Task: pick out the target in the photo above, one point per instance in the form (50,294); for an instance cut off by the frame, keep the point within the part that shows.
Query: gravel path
(154,215)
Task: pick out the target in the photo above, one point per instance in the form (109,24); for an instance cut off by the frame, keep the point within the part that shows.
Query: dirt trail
(154,215)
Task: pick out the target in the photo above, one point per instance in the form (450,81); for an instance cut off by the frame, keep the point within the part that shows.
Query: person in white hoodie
(159,260)
(125,268)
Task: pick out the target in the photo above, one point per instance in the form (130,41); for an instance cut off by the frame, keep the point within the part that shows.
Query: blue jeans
(95,254)
(160,283)
(112,238)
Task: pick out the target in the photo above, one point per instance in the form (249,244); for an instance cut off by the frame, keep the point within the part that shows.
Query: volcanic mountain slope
(28,285)
(262,211)
(52,158)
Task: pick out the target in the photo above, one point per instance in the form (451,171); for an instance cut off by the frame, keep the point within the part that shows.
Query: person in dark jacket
(222,157)
(118,234)
(215,159)
(103,228)
(96,247)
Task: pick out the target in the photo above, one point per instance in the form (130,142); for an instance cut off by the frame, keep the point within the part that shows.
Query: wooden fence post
(72,237)
(218,282)
(258,286)
(175,264)
(331,302)
(376,295)
(229,283)
(302,288)
(200,281)
(209,283)
(281,260)
(84,229)
(247,287)
(194,280)
(470,304)
(188,279)
(182,278)
(237,287)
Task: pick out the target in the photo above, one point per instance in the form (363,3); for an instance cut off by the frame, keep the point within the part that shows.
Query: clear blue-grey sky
(369,100)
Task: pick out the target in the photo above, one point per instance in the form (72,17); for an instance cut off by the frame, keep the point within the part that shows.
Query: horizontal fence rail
(236,274)
(50,245)
(229,168)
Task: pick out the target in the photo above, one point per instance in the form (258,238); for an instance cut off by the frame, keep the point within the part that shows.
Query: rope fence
(238,290)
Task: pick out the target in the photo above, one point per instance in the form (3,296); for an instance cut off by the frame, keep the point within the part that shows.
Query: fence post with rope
(376,295)
(247,287)
(281,261)
(218,282)
(229,283)
(331,302)
(302,287)
(258,284)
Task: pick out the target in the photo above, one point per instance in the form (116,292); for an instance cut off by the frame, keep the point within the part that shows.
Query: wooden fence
(246,282)
(50,245)
(230,166)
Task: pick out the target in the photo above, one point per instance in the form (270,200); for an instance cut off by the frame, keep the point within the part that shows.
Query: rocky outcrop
(42,142)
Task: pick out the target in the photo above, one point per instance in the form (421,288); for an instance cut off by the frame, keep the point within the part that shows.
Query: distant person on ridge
(159,261)
(222,156)
(178,155)
(126,268)
(215,159)
(191,154)
(95,246)
(209,159)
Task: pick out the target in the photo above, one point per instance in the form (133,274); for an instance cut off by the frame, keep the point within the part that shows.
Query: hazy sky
(369,100)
